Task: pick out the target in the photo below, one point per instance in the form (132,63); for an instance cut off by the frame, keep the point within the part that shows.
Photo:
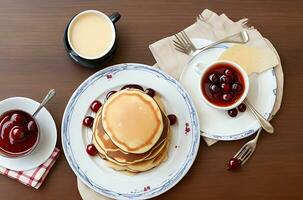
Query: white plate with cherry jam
(77,133)
(218,94)
(25,142)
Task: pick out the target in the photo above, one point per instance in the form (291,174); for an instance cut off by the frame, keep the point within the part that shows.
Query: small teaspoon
(51,93)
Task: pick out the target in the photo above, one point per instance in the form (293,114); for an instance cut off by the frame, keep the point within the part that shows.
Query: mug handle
(115,17)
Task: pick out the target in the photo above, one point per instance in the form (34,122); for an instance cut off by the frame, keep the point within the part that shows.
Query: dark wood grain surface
(32,60)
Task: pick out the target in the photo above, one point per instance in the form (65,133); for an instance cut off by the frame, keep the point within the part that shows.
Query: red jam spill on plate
(222,84)
(18,132)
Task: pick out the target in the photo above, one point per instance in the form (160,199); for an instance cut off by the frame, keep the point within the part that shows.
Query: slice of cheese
(250,59)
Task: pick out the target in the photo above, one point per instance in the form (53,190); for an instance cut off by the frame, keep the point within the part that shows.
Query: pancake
(142,166)
(112,152)
(132,120)
(116,161)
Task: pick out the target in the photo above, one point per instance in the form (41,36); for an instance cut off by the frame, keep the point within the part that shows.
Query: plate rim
(245,133)
(189,158)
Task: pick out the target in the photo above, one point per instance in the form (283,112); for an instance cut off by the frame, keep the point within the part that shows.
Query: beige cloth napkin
(214,27)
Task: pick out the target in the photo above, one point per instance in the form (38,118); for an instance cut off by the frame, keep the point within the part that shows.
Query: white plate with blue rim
(48,134)
(93,171)
(217,124)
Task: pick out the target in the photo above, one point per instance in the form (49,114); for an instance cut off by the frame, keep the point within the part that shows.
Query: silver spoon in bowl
(51,93)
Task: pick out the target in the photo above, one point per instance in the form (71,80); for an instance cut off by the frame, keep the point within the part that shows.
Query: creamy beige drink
(91,34)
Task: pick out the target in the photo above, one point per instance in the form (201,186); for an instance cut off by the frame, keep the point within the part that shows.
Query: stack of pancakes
(131,131)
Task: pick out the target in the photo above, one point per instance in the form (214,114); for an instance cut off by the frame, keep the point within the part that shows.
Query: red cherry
(88,121)
(233,164)
(214,88)
(227,97)
(242,107)
(95,106)
(225,79)
(32,126)
(214,77)
(236,87)
(91,150)
(110,94)
(228,72)
(150,92)
(18,118)
(232,112)
(17,134)
(172,119)
(225,87)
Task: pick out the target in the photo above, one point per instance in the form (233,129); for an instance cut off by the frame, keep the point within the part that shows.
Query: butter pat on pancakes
(251,59)
(91,35)
(133,120)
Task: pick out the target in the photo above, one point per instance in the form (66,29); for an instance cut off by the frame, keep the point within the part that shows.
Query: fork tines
(183,43)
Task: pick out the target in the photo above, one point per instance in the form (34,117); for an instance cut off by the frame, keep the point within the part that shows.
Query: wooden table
(32,60)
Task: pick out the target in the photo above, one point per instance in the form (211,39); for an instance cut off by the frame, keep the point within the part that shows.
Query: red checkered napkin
(34,177)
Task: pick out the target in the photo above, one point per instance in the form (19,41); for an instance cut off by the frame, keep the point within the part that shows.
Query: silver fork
(247,149)
(244,22)
(184,44)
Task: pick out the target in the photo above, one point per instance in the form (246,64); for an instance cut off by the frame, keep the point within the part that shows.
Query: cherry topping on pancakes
(91,150)
(95,106)
(88,121)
